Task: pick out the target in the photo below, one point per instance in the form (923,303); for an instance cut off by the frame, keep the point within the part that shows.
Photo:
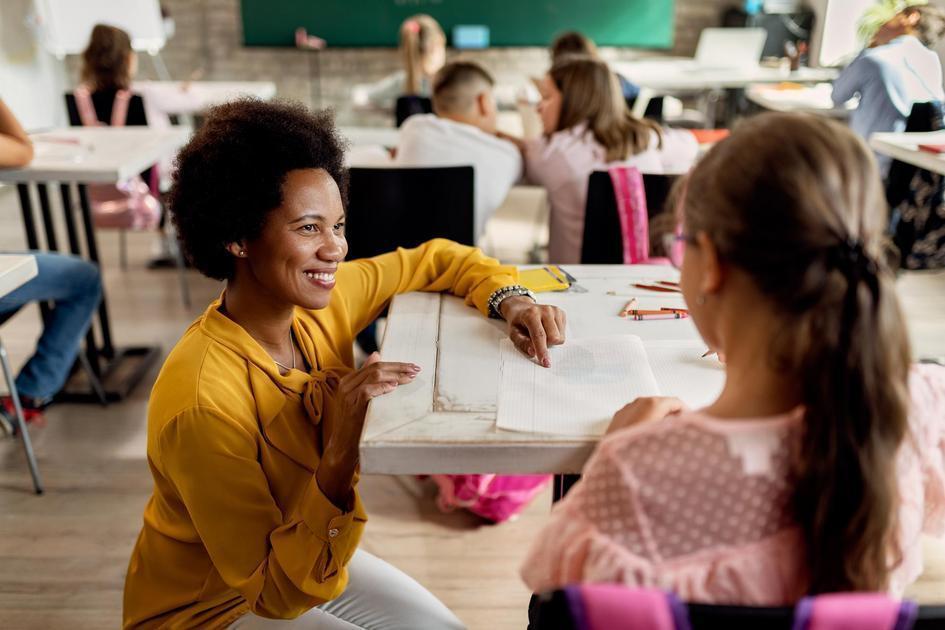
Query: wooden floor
(63,555)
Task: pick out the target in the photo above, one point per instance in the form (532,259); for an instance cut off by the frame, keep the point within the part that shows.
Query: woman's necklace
(292,347)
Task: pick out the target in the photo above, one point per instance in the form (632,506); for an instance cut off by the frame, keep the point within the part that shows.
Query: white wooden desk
(15,271)
(445,421)
(383,136)
(202,95)
(812,100)
(680,74)
(72,158)
(905,148)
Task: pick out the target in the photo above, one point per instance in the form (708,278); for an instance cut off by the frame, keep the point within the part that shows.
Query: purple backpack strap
(631,209)
(616,607)
(854,611)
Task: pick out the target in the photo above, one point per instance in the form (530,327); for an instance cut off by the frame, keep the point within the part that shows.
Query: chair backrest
(554,611)
(923,117)
(103,102)
(603,241)
(404,207)
(646,104)
(409,105)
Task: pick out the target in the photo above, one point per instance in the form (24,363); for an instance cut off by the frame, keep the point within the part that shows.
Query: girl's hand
(645,409)
(533,327)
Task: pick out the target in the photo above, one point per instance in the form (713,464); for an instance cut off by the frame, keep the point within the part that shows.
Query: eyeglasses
(674,244)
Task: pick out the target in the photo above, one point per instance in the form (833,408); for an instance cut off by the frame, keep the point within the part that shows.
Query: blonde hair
(796,203)
(419,35)
(590,93)
(106,61)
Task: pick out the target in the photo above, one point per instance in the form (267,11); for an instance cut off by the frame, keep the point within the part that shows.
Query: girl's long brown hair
(796,203)
(418,34)
(590,93)
(106,61)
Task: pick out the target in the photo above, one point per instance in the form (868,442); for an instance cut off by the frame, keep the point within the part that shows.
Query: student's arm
(16,149)
(382,94)
(282,563)
(852,79)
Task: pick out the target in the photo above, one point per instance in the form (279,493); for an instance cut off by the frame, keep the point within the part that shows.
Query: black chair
(551,611)
(603,239)
(923,117)
(654,108)
(409,105)
(404,207)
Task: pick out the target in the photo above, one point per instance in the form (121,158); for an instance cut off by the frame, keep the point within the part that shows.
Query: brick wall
(209,35)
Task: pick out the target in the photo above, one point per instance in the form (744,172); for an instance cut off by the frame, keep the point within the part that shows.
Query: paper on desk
(680,371)
(589,379)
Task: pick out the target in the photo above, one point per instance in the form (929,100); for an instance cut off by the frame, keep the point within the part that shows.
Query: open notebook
(590,379)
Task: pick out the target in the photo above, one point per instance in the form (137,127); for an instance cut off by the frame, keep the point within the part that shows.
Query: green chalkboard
(366,23)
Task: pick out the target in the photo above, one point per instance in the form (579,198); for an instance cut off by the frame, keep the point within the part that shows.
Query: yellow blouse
(237,522)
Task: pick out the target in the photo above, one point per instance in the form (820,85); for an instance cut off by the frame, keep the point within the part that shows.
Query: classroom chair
(10,378)
(409,105)
(404,207)
(603,237)
(135,117)
(578,607)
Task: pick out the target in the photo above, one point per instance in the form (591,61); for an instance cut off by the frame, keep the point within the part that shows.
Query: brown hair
(457,84)
(106,61)
(572,43)
(591,94)
(796,203)
(931,26)
(418,35)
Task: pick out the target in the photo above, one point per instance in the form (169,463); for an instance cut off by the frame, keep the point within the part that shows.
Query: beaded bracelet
(500,295)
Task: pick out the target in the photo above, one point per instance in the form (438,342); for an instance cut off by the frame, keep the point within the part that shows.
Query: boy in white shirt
(462,132)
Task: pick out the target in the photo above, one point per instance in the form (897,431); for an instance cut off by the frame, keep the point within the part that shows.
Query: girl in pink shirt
(823,460)
(588,127)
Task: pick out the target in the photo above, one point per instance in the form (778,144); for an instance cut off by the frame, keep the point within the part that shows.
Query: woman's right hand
(355,391)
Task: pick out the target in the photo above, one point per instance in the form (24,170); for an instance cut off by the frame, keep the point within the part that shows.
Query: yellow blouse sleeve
(282,564)
(367,285)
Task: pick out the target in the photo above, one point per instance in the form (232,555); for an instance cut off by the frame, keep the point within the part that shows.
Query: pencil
(675,310)
(653,287)
(708,353)
(626,307)
(657,315)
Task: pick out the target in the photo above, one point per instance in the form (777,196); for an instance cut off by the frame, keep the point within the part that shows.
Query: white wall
(32,82)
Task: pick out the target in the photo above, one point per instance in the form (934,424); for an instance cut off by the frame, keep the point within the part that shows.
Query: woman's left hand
(533,327)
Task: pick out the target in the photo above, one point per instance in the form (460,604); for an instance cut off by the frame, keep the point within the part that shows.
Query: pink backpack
(127,205)
(495,497)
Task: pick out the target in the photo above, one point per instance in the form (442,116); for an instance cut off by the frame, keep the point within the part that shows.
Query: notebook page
(589,380)
(680,371)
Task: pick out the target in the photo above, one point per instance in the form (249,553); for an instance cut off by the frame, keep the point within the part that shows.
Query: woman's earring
(700,300)
(242,252)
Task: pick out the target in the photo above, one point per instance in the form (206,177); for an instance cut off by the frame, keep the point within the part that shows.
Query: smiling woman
(255,419)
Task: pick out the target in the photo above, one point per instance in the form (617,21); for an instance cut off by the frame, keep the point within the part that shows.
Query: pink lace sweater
(701,506)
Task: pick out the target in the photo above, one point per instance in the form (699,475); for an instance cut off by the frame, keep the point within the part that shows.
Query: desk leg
(108,349)
(26,207)
(52,243)
(68,212)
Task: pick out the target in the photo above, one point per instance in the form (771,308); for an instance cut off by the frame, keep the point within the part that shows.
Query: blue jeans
(75,288)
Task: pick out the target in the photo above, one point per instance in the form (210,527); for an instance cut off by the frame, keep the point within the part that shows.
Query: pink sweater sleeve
(928,425)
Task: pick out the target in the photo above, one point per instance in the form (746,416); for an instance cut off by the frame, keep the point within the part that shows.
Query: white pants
(379,596)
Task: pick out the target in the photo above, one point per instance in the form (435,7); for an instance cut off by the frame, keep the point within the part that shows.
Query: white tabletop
(15,271)
(96,154)
(669,74)
(376,136)
(206,94)
(445,421)
(813,99)
(905,147)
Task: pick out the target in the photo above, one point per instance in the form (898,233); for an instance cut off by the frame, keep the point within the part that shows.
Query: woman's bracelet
(500,295)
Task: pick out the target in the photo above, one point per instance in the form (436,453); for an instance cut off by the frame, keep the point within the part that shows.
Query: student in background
(462,131)
(587,126)
(423,53)
(575,43)
(74,287)
(823,460)
(895,71)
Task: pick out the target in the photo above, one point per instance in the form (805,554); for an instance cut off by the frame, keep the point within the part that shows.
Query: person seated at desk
(423,53)
(587,127)
(823,459)
(896,70)
(576,43)
(255,419)
(462,131)
(72,285)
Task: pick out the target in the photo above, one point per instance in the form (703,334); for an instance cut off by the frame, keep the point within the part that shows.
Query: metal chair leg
(94,381)
(24,432)
(123,249)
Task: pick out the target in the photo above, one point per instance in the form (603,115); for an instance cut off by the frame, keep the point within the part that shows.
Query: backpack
(494,497)
(127,205)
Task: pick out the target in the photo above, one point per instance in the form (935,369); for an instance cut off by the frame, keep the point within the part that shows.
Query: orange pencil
(658,315)
(627,307)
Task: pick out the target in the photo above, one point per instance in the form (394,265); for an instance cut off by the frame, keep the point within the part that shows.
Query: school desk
(206,94)
(905,148)
(792,97)
(74,157)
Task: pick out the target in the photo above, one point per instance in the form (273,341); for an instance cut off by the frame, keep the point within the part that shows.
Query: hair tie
(850,258)
(412,26)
